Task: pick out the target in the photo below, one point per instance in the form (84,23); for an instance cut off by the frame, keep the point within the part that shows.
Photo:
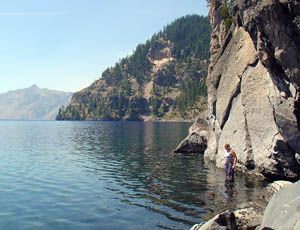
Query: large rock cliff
(253,85)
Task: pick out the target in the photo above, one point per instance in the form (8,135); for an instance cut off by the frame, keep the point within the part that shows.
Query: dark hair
(227,146)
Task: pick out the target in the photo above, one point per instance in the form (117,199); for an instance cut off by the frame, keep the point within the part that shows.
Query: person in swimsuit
(230,162)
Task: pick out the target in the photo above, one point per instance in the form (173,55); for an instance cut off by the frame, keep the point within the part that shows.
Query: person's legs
(230,171)
(227,171)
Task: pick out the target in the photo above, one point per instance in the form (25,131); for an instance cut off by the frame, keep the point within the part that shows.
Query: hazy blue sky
(66,44)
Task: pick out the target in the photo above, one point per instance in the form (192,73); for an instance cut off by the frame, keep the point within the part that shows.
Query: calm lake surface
(107,175)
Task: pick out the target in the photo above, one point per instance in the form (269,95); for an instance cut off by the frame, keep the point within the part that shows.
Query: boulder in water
(283,210)
(195,142)
(275,187)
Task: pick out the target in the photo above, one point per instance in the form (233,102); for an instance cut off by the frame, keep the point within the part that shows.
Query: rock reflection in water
(230,191)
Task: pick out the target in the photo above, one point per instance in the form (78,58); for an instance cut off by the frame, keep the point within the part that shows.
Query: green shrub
(225,12)
(226,15)
(228,22)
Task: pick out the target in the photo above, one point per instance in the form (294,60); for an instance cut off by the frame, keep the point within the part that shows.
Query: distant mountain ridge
(32,103)
(164,79)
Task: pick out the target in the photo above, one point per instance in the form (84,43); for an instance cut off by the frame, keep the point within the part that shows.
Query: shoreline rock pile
(282,212)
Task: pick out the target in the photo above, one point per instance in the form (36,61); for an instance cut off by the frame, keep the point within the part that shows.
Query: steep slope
(253,85)
(32,103)
(163,79)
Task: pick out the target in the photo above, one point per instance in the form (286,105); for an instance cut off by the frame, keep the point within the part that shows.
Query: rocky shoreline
(254,105)
(249,215)
(281,212)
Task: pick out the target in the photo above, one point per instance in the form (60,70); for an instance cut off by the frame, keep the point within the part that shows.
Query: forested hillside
(163,79)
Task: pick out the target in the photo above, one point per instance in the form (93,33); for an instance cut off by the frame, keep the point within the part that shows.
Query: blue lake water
(107,175)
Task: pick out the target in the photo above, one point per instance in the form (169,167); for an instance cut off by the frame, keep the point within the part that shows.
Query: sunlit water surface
(107,175)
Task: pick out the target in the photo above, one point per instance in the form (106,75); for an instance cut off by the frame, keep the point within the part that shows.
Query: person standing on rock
(230,162)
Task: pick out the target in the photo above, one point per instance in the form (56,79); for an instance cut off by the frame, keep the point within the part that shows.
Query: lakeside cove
(86,174)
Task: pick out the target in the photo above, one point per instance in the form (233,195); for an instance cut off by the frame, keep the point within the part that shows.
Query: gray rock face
(253,86)
(196,141)
(283,211)
(275,187)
